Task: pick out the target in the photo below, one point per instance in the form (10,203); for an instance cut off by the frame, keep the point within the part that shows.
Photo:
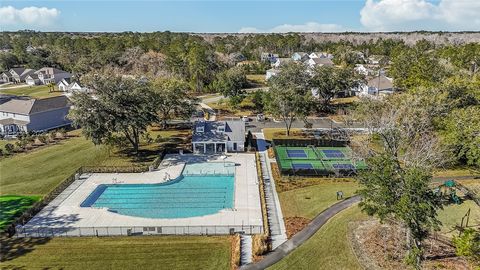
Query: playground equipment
(449,190)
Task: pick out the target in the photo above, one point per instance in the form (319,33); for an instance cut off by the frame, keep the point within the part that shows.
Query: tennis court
(317,160)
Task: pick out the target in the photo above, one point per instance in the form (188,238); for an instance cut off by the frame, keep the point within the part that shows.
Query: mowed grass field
(40,91)
(39,171)
(139,253)
(12,206)
(451,216)
(328,249)
(309,201)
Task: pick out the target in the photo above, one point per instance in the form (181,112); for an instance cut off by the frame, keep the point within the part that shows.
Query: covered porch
(12,126)
(209,147)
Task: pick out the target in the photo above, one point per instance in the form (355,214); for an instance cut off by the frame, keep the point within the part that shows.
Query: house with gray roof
(19,75)
(218,136)
(300,56)
(375,86)
(313,62)
(33,115)
(48,75)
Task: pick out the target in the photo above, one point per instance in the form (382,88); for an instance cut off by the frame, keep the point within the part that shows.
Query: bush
(468,244)
(9,148)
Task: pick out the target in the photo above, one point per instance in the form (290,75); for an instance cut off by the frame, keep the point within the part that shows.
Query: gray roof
(322,61)
(380,82)
(33,76)
(30,106)
(234,131)
(7,74)
(17,71)
(50,71)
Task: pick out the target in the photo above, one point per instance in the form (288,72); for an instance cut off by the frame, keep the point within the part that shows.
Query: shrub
(9,148)
(468,244)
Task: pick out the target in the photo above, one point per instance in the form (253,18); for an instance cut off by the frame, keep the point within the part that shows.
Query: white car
(245,119)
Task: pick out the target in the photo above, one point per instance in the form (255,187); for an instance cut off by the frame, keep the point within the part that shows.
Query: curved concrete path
(302,236)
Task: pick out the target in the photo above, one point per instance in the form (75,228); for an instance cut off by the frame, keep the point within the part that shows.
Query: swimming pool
(189,196)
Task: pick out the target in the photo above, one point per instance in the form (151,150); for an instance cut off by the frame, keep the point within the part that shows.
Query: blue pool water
(188,196)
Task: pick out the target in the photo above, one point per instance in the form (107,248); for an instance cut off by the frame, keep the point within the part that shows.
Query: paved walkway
(278,233)
(302,236)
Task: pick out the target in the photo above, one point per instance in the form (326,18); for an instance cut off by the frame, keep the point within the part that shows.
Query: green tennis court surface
(316,158)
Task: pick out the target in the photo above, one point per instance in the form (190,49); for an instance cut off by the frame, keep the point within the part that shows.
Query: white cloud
(404,15)
(41,16)
(306,28)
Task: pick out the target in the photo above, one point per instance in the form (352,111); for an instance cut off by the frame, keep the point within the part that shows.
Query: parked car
(260,117)
(245,119)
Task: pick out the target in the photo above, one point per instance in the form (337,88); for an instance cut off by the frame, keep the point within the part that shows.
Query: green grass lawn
(40,170)
(452,214)
(257,78)
(12,206)
(329,248)
(309,201)
(41,91)
(192,252)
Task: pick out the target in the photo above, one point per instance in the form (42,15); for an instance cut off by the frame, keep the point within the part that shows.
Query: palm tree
(51,87)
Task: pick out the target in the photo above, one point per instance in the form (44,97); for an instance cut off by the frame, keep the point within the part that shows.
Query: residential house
(271,72)
(281,62)
(313,62)
(66,86)
(32,79)
(30,49)
(268,57)
(28,115)
(6,77)
(218,136)
(320,55)
(20,74)
(363,70)
(48,75)
(378,85)
(300,56)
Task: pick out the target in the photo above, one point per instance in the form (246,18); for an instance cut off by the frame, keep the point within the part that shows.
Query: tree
(231,83)
(462,133)
(290,95)
(172,99)
(7,61)
(121,107)
(404,194)
(51,87)
(331,81)
(396,183)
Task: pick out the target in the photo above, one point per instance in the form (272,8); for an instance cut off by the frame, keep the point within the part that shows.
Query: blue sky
(241,16)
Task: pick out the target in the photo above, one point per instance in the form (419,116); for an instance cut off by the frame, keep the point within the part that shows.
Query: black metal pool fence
(34,231)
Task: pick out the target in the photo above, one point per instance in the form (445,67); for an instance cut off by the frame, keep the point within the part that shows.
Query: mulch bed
(295,224)
(382,246)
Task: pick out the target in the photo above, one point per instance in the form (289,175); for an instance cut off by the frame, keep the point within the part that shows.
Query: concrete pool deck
(65,217)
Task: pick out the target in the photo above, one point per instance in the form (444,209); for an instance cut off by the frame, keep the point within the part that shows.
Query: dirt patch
(295,224)
(271,153)
(383,246)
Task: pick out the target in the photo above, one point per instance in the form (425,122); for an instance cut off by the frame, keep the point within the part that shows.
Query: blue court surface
(343,166)
(301,166)
(298,153)
(333,153)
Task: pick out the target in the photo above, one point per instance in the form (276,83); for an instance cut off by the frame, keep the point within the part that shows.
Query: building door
(234,146)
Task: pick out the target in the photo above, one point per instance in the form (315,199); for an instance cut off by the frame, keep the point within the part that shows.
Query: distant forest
(198,58)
